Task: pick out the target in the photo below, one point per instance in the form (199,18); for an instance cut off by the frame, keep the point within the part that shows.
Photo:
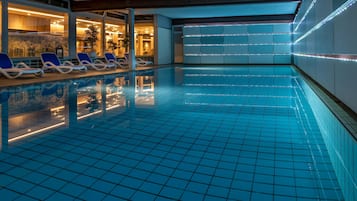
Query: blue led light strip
(240,75)
(330,17)
(232,25)
(336,57)
(243,34)
(241,85)
(240,44)
(238,105)
(239,95)
(233,54)
(305,14)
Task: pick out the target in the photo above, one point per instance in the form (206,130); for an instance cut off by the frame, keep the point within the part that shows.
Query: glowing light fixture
(239,105)
(305,14)
(330,17)
(335,57)
(88,21)
(239,44)
(230,25)
(240,85)
(242,34)
(237,54)
(30,12)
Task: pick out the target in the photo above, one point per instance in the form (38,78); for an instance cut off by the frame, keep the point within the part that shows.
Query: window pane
(114,36)
(33,31)
(144,43)
(89,37)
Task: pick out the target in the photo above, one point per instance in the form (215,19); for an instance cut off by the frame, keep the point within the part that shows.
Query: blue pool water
(191,133)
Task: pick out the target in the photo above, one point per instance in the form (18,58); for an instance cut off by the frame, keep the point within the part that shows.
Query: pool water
(184,133)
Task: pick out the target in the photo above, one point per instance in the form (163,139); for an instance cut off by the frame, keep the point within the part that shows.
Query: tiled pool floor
(170,155)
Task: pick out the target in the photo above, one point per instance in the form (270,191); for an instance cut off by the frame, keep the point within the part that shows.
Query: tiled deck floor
(54,76)
(168,155)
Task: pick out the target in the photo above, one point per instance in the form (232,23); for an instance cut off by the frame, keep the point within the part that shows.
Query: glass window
(144,39)
(114,35)
(89,37)
(33,31)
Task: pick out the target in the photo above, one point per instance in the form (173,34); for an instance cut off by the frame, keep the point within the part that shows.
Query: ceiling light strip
(335,57)
(305,14)
(34,12)
(243,34)
(232,25)
(88,21)
(330,17)
(240,44)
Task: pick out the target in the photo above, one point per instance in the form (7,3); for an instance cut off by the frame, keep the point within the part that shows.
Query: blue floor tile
(188,196)
(40,193)
(186,151)
(143,196)
(72,189)
(90,194)
(9,194)
(123,192)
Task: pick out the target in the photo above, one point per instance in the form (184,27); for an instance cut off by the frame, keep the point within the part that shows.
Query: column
(72,39)
(102,33)
(4,26)
(131,22)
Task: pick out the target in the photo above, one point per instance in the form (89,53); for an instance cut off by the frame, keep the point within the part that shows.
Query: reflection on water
(32,109)
(144,89)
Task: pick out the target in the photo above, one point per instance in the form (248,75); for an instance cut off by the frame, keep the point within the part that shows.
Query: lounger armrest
(84,62)
(121,61)
(98,62)
(48,64)
(112,61)
(68,63)
(21,65)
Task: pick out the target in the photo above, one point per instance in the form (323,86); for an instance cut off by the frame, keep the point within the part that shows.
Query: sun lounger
(10,71)
(50,61)
(85,60)
(110,58)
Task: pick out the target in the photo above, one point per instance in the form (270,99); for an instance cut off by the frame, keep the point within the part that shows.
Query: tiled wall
(341,146)
(325,46)
(238,44)
(163,46)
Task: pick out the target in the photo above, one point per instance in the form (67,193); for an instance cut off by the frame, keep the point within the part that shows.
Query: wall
(323,41)
(163,40)
(238,44)
(341,146)
(324,47)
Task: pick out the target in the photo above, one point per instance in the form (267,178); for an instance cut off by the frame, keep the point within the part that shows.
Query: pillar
(4,26)
(72,39)
(131,22)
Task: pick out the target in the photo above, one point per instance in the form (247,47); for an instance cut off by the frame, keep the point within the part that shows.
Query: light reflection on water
(33,109)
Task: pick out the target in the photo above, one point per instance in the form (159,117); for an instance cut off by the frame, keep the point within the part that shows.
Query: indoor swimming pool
(175,133)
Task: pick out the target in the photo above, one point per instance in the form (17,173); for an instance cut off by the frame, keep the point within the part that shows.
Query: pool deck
(55,76)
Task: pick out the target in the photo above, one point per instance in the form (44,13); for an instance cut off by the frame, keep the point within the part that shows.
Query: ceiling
(197,9)
(276,8)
